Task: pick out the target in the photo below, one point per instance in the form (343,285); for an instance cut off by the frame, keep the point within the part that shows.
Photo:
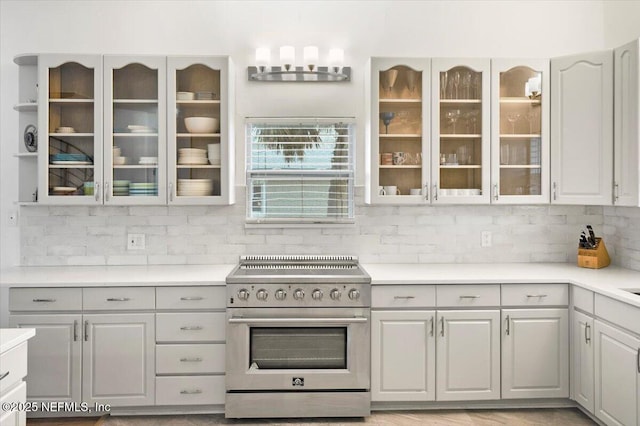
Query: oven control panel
(292,295)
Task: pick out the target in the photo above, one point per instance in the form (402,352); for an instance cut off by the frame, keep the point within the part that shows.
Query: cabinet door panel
(397,373)
(582,368)
(54,356)
(119,359)
(617,400)
(463,374)
(535,353)
(582,129)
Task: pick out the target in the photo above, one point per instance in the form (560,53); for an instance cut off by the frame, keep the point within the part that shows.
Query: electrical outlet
(486,239)
(135,242)
(13,218)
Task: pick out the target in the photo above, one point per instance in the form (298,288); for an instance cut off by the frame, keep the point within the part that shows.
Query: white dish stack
(195,187)
(192,156)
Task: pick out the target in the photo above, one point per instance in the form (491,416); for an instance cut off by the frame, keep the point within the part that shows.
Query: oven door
(297,349)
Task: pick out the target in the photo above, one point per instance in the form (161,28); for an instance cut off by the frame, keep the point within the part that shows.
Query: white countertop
(608,281)
(12,337)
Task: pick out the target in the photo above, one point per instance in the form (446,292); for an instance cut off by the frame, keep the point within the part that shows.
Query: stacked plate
(148,160)
(204,96)
(192,156)
(65,129)
(143,188)
(70,159)
(121,187)
(139,128)
(195,187)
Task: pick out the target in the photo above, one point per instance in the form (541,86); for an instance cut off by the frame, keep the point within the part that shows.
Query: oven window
(298,347)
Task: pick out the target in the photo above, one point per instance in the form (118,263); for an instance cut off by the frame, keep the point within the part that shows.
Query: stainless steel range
(298,337)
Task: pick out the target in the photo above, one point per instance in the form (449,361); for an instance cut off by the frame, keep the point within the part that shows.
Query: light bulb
(263,57)
(287,56)
(336,59)
(310,55)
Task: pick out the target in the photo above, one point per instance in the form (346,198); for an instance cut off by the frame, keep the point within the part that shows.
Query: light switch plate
(135,242)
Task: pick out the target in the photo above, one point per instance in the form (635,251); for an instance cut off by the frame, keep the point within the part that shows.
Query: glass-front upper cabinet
(398,140)
(520,131)
(70,159)
(199,135)
(460,135)
(135,129)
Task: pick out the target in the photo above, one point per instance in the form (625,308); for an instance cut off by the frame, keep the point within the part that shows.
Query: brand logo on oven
(297,381)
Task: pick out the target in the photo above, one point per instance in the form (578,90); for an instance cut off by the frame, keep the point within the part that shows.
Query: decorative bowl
(201,124)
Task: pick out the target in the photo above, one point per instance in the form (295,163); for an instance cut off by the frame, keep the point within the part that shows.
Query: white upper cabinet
(199,129)
(70,123)
(582,129)
(135,135)
(626,125)
(398,130)
(520,131)
(460,131)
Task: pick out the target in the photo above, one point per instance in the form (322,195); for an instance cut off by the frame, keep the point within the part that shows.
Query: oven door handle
(242,320)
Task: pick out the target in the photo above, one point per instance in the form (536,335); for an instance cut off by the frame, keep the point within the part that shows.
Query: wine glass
(452,115)
(466,84)
(388,79)
(476,85)
(386,118)
(512,117)
(412,78)
(456,82)
(531,117)
(443,85)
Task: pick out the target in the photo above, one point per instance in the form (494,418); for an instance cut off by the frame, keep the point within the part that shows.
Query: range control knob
(354,294)
(317,294)
(262,294)
(281,294)
(243,294)
(335,294)
(298,294)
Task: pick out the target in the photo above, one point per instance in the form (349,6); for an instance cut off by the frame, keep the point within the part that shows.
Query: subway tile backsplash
(398,234)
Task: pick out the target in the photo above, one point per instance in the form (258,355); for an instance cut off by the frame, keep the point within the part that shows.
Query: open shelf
(412,166)
(135,101)
(460,166)
(522,100)
(26,155)
(198,135)
(460,101)
(460,136)
(520,166)
(198,166)
(199,102)
(400,135)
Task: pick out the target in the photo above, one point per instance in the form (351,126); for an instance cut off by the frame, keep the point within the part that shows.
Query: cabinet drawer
(190,327)
(190,297)
(13,366)
(582,299)
(45,299)
(619,313)
(118,298)
(403,296)
(194,358)
(535,294)
(190,390)
(473,295)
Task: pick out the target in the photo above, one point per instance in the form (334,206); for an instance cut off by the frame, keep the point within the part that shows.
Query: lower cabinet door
(468,354)
(403,355)
(582,366)
(617,359)
(17,417)
(535,353)
(119,359)
(54,356)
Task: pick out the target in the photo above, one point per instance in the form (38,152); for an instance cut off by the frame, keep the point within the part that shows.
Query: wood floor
(557,416)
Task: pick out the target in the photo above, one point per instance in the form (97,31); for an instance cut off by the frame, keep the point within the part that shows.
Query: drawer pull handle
(86,331)
(190,392)
(192,298)
(75,330)
(191,328)
(44,300)
(118,299)
(404,297)
(442,326)
(587,333)
(190,359)
(539,296)
(508,330)
(432,327)
(4,375)
(470,297)
(638,360)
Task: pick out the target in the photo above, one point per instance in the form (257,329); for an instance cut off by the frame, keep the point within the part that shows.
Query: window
(300,170)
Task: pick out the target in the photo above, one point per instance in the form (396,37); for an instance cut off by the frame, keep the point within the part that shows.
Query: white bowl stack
(195,187)
(192,156)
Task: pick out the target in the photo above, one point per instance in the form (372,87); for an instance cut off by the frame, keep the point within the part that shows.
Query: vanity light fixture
(289,72)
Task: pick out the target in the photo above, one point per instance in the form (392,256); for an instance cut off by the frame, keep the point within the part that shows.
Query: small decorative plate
(31,138)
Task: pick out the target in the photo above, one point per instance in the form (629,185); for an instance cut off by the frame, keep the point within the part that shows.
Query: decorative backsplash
(75,235)
(622,235)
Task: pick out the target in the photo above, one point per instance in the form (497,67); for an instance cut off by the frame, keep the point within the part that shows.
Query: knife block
(594,258)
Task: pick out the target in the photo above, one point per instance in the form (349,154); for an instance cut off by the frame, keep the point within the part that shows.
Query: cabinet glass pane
(400,131)
(135,131)
(198,131)
(71,141)
(460,154)
(520,131)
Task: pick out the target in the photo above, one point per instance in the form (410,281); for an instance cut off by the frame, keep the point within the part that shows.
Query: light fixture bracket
(300,74)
